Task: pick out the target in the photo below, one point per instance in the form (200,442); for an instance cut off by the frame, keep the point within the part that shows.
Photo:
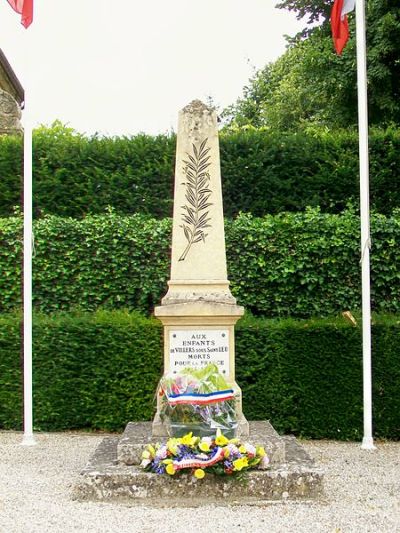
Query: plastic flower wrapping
(198,399)
(201,455)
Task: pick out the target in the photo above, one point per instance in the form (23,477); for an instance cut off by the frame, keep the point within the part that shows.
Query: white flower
(145,463)
(234,450)
(162,452)
(251,450)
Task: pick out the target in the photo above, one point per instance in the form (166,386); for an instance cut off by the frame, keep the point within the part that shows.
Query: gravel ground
(362,494)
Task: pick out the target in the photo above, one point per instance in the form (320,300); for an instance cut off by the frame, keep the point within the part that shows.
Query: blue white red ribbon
(200,399)
(179,464)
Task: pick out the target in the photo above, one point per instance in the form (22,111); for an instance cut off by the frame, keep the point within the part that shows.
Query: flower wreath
(218,455)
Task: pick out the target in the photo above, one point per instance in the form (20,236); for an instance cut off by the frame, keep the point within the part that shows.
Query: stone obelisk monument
(199,305)
(199,314)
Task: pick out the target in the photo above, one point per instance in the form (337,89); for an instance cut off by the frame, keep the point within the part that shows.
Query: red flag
(339,23)
(25,8)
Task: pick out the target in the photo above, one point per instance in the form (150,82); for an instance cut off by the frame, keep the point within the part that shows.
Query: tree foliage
(310,84)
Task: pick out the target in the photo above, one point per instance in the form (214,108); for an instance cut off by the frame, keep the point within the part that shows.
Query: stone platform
(113,473)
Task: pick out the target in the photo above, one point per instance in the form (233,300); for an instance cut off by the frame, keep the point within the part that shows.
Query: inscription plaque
(199,347)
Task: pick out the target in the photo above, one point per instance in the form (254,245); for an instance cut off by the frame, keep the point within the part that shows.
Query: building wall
(10,114)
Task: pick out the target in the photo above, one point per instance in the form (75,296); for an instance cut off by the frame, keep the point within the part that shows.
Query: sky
(121,67)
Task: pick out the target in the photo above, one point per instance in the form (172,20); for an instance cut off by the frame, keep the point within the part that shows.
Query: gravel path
(362,494)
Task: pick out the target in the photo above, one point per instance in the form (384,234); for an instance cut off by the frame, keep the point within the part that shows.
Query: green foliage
(270,172)
(75,175)
(101,370)
(304,265)
(11,394)
(310,84)
(90,371)
(81,175)
(306,376)
(292,264)
(262,171)
(11,236)
(100,261)
(11,156)
(317,11)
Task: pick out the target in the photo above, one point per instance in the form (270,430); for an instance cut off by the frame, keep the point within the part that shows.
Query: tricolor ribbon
(200,399)
(180,464)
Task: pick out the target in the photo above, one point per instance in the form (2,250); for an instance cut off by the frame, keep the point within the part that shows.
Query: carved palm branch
(195,217)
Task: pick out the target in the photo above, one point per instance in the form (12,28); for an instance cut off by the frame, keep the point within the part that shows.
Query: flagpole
(28,438)
(367,442)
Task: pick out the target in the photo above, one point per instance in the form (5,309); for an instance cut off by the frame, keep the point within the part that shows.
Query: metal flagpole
(367,442)
(28,438)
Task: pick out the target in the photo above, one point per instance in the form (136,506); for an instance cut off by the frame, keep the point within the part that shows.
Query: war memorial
(199,403)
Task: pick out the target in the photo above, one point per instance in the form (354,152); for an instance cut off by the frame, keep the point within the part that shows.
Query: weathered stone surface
(138,434)
(10,114)
(198,259)
(113,474)
(104,478)
(133,440)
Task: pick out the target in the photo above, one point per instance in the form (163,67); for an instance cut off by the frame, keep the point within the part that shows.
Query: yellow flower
(239,464)
(204,446)
(167,461)
(227,452)
(234,441)
(172,446)
(151,450)
(242,449)
(170,469)
(260,451)
(221,440)
(189,440)
(199,473)
(146,454)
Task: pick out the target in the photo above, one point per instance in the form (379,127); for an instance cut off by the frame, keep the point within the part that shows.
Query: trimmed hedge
(295,264)
(90,371)
(262,172)
(100,370)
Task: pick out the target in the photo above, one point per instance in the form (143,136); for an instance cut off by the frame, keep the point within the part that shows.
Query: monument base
(113,473)
(159,428)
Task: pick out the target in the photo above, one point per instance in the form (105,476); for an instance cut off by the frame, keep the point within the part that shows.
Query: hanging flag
(339,23)
(25,8)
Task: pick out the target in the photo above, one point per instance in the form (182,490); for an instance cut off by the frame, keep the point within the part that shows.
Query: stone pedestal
(138,434)
(212,323)
(113,474)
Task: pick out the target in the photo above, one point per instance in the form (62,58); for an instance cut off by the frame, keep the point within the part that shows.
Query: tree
(317,11)
(309,84)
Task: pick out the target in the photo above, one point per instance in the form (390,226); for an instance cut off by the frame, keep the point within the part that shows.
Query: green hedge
(90,371)
(100,370)
(262,172)
(299,264)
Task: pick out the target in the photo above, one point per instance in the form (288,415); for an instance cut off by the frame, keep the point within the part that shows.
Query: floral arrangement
(201,455)
(198,399)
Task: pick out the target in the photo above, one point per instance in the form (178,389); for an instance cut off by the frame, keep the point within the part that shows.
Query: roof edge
(14,81)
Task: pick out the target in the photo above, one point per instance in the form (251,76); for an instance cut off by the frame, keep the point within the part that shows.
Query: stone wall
(10,115)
